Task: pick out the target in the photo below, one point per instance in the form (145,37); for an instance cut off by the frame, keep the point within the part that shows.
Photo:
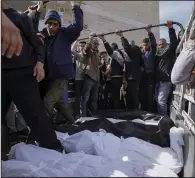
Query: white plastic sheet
(184,64)
(42,162)
(107,156)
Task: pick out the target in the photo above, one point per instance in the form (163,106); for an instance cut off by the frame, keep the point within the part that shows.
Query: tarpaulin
(154,133)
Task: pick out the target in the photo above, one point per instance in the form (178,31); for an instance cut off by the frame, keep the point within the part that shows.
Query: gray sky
(179,11)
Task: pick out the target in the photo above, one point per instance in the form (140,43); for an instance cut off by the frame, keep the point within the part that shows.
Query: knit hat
(53,14)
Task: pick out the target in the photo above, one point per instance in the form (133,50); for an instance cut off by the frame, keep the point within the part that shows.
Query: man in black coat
(164,62)
(147,83)
(132,71)
(20,77)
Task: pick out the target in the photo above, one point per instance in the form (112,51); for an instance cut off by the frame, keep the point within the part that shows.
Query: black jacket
(117,62)
(31,43)
(132,68)
(164,63)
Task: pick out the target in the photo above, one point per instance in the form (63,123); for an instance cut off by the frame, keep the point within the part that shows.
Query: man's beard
(161,51)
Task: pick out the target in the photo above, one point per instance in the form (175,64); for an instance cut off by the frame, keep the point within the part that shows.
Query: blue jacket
(58,53)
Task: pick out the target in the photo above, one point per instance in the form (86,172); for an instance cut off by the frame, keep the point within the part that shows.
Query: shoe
(24,132)
(14,138)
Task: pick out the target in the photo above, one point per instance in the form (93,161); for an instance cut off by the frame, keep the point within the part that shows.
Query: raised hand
(148,28)
(93,34)
(170,24)
(75,3)
(40,6)
(101,36)
(119,33)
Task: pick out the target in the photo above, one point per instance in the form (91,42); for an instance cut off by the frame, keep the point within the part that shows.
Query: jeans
(132,95)
(162,92)
(78,87)
(89,90)
(116,83)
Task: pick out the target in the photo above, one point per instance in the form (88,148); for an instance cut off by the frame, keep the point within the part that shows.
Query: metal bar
(36,6)
(141,28)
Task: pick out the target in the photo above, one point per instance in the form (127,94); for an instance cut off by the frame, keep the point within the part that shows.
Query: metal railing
(183,103)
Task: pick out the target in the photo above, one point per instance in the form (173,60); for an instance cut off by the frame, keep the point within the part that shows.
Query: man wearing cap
(58,66)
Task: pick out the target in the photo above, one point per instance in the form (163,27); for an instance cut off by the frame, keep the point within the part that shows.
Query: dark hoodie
(31,43)
(164,62)
(132,68)
(58,50)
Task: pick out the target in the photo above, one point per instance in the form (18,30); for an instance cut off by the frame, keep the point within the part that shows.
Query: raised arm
(88,47)
(172,37)
(106,45)
(125,43)
(35,14)
(76,27)
(152,39)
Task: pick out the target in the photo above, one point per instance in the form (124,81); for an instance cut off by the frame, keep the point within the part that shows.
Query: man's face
(162,44)
(113,47)
(145,46)
(104,57)
(52,27)
(95,45)
(81,47)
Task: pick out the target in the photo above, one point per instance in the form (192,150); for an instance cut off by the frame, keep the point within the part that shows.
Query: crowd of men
(36,71)
(137,76)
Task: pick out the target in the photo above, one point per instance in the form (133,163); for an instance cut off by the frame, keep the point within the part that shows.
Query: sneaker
(24,132)
(14,138)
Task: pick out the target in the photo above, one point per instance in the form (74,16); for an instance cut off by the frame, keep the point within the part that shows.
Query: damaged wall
(106,16)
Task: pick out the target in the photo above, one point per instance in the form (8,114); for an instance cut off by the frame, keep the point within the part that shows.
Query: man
(79,78)
(132,72)
(106,76)
(92,75)
(116,68)
(59,66)
(165,59)
(20,76)
(147,83)
(11,115)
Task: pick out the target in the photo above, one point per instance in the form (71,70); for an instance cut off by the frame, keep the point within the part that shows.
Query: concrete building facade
(107,16)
